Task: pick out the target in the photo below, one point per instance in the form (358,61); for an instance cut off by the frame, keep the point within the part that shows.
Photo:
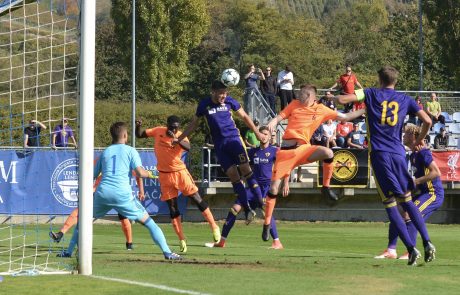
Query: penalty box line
(149,285)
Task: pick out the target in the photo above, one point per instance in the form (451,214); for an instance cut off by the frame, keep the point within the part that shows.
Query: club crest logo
(452,162)
(345,166)
(64,183)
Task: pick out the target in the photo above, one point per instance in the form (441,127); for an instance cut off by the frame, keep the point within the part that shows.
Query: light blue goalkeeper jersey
(116,163)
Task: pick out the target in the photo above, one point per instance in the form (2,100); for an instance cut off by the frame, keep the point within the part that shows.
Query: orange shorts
(171,183)
(286,160)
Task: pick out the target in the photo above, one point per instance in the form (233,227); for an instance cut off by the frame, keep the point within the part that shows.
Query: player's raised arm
(140,132)
(426,125)
(188,130)
(273,122)
(348,98)
(433,172)
(248,121)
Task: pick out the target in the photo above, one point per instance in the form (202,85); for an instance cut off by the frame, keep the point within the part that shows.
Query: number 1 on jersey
(114,161)
(393,107)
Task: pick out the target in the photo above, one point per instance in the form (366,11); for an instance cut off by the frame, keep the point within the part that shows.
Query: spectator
(433,108)
(343,129)
(251,79)
(32,133)
(328,101)
(358,106)
(319,137)
(250,138)
(330,132)
(285,82)
(61,135)
(273,139)
(268,88)
(347,83)
(441,140)
(413,118)
(353,139)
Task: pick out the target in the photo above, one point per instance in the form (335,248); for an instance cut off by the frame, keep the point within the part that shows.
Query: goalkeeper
(72,219)
(114,191)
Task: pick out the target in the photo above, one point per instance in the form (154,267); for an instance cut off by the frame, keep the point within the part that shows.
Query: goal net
(38,123)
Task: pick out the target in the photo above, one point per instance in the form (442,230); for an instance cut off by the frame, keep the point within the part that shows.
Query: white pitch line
(149,285)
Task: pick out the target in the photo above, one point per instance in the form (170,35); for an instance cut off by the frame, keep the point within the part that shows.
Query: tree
(166,31)
(445,16)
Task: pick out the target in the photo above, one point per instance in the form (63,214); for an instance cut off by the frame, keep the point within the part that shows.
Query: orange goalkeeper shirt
(304,120)
(168,156)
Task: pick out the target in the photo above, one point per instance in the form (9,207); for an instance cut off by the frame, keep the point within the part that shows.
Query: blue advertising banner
(46,182)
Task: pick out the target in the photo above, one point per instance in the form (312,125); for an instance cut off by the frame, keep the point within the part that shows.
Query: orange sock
(177,225)
(70,221)
(209,218)
(269,207)
(327,173)
(126,227)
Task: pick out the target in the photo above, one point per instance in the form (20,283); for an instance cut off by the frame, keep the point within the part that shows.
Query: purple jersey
(420,162)
(386,110)
(262,161)
(219,117)
(62,135)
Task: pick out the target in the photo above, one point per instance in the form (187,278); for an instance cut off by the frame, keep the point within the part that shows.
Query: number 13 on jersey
(389,113)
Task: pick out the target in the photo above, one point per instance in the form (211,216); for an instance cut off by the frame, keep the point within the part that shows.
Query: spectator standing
(330,132)
(441,140)
(433,108)
(268,88)
(32,133)
(347,83)
(251,79)
(250,138)
(61,135)
(353,139)
(343,129)
(285,82)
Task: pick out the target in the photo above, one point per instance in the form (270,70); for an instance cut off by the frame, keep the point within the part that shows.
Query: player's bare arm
(248,121)
(273,122)
(432,174)
(344,99)
(140,185)
(426,125)
(183,143)
(350,116)
(140,132)
(188,130)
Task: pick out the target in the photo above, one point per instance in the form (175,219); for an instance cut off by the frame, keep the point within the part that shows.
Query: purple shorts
(428,203)
(391,174)
(230,152)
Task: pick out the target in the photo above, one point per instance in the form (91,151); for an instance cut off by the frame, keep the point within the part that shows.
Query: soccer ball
(230,77)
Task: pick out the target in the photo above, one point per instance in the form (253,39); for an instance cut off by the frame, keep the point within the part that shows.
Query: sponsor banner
(448,163)
(46,182)
(351,168)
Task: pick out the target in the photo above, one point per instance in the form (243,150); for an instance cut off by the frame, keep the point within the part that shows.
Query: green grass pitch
(319,258)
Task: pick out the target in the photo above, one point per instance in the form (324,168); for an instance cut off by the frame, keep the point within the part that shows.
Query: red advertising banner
(448,163)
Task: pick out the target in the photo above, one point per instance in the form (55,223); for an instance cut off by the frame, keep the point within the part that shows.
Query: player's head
(265,135)
(173,123)
(218,91)
(411,132)
(307,92)
(119,132)
(388,76)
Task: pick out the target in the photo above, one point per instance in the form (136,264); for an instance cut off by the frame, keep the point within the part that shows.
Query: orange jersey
(304,120)
(168,156)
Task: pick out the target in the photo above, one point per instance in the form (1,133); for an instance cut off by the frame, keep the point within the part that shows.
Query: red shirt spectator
(347,82)
(344,128)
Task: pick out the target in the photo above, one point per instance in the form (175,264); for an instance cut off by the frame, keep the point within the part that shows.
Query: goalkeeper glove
(151,175)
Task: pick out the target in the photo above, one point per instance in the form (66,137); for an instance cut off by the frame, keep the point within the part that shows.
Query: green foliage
(445,16)
(167,31)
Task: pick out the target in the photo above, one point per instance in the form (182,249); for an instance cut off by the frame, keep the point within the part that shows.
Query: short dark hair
(262,128)
(388,75)
(172,119)
(117,129)
(288,68)
(217,85)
